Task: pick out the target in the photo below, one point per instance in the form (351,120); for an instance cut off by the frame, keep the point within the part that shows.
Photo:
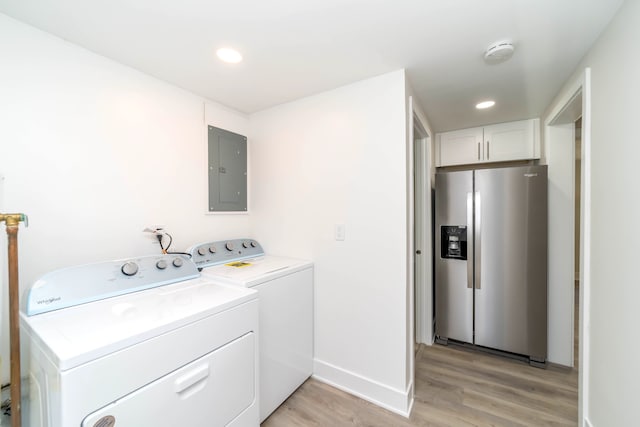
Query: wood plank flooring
(454,386)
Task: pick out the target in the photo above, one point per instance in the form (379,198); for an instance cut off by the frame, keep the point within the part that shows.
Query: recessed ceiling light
(485,104)
(229,55)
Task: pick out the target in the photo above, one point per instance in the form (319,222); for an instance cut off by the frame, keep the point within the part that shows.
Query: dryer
(139,342)
(285,292)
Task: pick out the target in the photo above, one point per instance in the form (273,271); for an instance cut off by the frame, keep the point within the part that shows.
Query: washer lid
(79,334)
(251,272)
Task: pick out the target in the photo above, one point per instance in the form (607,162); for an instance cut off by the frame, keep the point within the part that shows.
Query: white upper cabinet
(493,143)
(510,141)
(460,147)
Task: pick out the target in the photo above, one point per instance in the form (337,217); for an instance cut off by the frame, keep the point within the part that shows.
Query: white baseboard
(394,400)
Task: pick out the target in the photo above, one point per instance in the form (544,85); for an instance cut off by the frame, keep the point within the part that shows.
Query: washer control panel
(224,251)
(92,282)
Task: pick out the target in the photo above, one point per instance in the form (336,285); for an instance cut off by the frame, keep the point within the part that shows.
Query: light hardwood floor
(454,386)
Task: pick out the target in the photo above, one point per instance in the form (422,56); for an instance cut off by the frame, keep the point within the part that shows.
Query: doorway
(422,235)
(576,232)
(569,229)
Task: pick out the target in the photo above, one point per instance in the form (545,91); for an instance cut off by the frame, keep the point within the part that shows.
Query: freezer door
(511,260)
(454,274)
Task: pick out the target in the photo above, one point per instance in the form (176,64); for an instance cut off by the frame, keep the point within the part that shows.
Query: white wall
(340,157)
(561,160)
(4,295)
(94,152)
(614,349)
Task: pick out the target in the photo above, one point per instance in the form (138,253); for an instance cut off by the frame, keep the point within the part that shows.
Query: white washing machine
(139,342)
(285,292)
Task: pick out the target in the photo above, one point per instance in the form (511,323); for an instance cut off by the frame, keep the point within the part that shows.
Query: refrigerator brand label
(529,175)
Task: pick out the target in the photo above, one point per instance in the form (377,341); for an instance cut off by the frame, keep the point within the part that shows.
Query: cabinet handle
(487,150)
(478,151)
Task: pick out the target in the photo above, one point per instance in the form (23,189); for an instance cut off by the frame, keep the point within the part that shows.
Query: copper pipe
(13,222)
(14,325)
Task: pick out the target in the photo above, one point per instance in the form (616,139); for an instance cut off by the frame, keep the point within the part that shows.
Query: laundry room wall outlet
(340,231)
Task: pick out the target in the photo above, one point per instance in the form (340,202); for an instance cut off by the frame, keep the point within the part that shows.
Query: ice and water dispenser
(453,241)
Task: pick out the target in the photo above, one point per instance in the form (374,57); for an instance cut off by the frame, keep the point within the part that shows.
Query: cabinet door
(460,147)
(510,141)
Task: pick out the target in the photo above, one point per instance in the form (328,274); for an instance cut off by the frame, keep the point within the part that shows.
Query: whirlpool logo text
(49,300)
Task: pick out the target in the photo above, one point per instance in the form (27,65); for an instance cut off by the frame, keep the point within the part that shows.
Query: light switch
(340,231)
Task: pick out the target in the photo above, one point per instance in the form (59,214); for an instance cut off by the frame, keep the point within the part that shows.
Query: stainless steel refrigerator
(491,259)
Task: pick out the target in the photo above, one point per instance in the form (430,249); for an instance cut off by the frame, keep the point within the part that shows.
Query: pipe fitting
(14,219)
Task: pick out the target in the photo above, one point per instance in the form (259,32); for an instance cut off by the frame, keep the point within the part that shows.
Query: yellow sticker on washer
(238,264)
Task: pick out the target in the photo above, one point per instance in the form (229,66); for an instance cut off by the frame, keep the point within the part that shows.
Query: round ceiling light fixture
(499,52)
(485,104)
(229,55)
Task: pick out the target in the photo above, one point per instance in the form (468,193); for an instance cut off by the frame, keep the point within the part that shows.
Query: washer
(285,288)
(139,342)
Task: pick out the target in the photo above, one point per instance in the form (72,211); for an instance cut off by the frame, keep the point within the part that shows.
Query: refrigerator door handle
(470,246)
(477,240)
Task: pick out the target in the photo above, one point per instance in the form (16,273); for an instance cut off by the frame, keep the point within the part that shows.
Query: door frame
(421,302)
(422,204)
(574,102)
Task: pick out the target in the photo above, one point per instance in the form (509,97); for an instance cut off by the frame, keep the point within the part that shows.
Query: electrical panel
(227,171)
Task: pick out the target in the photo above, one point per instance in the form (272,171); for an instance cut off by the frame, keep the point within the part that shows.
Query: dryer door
(210,391)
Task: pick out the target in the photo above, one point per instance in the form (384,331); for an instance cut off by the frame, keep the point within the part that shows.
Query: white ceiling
(296,48)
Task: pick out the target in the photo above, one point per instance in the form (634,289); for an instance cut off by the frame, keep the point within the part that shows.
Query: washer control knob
(253,244)
(177,262)
(229,246)
(245,244)
(162,264)
(202,251)
(129,268)
(212,249)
